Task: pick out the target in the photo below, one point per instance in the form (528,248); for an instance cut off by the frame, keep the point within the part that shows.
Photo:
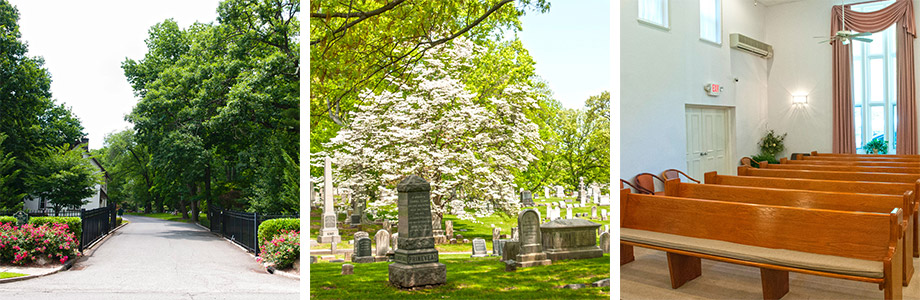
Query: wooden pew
(692,229)
(849,163)
(862,157)
(816,153)
(877,203)
(845,176)
(847,168)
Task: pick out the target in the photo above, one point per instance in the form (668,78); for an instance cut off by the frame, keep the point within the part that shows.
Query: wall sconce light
(800,99)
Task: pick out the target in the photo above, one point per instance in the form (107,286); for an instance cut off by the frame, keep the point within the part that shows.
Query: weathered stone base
(407,276)
(582,253)
(329,239)
(362,259)
(532,259)
(380,258)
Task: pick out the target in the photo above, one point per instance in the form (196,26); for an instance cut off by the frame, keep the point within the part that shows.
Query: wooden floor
(647,278)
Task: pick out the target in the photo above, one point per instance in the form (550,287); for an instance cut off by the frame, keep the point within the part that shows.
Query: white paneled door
(707,140)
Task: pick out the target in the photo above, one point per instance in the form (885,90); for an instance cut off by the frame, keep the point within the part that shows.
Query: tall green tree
(584,139)
(130,170)
(11,200)
(63,177)
(29,116)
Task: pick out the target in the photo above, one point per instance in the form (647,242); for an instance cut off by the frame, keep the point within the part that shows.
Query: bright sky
(84,43)
(571,45)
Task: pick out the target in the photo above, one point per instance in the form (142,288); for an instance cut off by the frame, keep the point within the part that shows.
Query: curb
(69,264)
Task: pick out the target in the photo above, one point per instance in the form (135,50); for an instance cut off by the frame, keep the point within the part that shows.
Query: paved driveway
(155,259)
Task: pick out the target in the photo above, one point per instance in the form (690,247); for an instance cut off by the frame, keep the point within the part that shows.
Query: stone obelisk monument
(329,233)
(415,259)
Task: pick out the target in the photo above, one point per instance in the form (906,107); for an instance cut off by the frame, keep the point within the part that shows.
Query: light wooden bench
(816,153)
(850,163)
(846,176)
(877,203)
(857,246)
(847,168)
(864,157)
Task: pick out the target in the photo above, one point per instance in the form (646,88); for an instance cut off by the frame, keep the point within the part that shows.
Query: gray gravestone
(496,232)
(361,234)
(531,241)
(510,250)
(393,238)
(479,248)
(383,242)
(605,242)
(436,231)
(348,269)
(362,252)
(416,259)
(329,233)
(594,212)
(357,211)
(514,233)
(527,199)
(568,213)
(596,193)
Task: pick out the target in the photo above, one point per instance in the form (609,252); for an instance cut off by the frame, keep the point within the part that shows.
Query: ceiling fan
(844,36)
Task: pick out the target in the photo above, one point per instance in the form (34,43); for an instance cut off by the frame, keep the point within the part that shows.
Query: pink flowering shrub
(29,243)
(282,250)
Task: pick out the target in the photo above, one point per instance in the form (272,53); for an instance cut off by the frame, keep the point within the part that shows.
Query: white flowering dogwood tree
(431,125)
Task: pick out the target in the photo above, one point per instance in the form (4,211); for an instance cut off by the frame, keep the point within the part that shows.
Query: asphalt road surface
(156,259)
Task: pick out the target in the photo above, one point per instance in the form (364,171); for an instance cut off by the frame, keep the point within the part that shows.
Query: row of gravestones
(362,252)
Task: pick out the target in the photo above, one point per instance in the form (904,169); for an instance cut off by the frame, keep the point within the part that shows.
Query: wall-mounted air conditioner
(750,45)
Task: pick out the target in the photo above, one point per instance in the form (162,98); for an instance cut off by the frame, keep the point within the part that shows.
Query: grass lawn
(202,218)
(467,278)
(10,275)
(481,227)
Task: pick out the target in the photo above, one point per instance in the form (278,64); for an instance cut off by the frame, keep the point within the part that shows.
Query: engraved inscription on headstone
(362,252)
(479,248)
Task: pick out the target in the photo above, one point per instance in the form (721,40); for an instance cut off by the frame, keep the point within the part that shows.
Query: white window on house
(874,72)
(654,12)
(711,21)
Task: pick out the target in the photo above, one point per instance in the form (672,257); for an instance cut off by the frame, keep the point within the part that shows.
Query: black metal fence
(96,224)
(240,227)
(44,212)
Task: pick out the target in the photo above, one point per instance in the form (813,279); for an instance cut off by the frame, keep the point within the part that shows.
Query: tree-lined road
(156,259)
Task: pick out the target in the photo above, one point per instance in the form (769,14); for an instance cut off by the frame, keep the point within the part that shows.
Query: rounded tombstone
(528,231)
(383,242)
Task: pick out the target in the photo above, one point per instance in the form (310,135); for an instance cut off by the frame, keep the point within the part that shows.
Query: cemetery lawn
(467,278)
(4,275)
(480,228)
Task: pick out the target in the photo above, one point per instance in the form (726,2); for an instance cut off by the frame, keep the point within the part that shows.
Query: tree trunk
(182,210)
(192,191)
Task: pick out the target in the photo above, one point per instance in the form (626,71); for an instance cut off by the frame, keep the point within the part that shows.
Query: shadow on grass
(480,278)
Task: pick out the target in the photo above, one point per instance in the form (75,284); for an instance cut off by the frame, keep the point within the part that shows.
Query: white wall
(801,65)
(661,71)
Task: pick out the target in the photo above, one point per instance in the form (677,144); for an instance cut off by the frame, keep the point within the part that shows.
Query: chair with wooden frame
(623,181)
(645,183)
(675,174)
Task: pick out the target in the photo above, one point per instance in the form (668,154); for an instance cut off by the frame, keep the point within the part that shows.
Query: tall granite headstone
(383,242)
(393,238)
(329,232)
(362,251)
(527,199)
(449,228)
(357,210)
(531,253)
(479,248)
(416,259)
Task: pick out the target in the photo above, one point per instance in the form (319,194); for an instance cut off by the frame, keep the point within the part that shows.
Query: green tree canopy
(63,177)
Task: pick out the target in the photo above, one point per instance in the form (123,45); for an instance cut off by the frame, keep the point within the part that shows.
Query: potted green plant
(770,145)
(877,146)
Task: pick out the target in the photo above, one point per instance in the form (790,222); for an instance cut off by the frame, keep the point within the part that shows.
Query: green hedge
(8,219)
(270,228)
(74,224)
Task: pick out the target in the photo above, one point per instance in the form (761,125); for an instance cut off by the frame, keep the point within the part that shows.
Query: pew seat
(754,254)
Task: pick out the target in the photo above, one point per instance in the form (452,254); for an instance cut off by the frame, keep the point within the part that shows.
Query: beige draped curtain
(902,13)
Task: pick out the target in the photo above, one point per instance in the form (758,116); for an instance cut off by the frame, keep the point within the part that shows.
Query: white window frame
(665,15)
(718,22)
(889,81)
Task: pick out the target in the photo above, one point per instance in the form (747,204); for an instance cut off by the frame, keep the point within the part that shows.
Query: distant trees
(219,110)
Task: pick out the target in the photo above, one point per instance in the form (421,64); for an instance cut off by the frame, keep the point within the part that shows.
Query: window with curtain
(654,12)
(711,20)
(875,85)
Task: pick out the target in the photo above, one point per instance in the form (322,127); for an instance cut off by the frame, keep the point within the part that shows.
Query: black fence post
(255,232)
(82,228)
